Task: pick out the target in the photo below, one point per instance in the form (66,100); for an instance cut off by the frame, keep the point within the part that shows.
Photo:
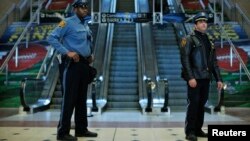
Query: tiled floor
(111,125)
(104,134)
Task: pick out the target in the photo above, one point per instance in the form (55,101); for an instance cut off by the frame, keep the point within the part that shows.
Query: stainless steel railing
(232,46)
(15,47)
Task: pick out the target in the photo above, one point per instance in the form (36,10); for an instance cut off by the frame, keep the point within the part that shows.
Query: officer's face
(81,11)
(201,25)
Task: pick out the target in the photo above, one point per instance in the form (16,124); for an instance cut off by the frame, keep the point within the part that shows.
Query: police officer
(199,63)
(72,39)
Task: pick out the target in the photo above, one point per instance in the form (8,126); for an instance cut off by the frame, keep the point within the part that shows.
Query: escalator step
(123,53)
(130,85)
(123,98)
(123,63)
(124,49)
(178,102)
(123,58)
(168,47)
(121,105)
(168,56)
(123,74)
(121,79)
(164,66)
(122,91)
(170,61)
(123,68)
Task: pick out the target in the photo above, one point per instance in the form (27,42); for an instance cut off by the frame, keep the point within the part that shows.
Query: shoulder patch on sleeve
(183,42)
(62,24)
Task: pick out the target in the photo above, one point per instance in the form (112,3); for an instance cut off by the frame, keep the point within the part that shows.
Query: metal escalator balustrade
(156,86)
(36,93)
(123,76)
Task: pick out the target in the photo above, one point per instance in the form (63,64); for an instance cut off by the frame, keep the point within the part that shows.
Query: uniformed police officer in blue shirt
(72,39)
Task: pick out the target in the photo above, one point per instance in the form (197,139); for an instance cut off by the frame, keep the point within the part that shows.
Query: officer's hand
(219,85)
(91,59)
(74,56)
(192,83)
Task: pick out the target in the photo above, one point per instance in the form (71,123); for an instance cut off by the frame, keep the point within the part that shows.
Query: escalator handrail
(107,60)
(98,63)
(149,43)
(108,50)
(44,63)
(141,63)
(23,93)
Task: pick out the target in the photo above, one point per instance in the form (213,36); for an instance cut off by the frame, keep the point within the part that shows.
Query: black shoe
(201,134)
(86,134)
(191,137)
(66,138)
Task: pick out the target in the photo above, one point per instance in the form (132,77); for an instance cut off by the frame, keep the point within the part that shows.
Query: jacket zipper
(204,54)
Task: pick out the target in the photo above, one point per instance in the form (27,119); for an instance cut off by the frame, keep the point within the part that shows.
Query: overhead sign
(141,17)
(125,17)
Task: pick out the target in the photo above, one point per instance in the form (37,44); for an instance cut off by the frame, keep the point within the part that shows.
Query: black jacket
(198,58)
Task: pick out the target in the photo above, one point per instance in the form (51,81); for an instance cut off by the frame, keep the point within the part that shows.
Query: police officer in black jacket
(199,63)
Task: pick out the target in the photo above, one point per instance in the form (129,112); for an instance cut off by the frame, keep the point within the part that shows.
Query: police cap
(200,16)
(80,3)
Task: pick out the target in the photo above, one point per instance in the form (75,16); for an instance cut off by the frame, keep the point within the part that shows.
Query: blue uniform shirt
(72,35)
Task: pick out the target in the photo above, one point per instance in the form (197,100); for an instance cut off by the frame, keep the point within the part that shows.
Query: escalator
(123,79)
(169,65)
(122,82)
(47,92)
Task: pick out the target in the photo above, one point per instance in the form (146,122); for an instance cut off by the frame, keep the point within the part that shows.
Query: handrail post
(214,11)
(218,108)
(22,95)
(16,59)
(93,96)
(38,16)
(31,5)
(149,94)
(166,98)
(6,75)
(27,39)
(240,73)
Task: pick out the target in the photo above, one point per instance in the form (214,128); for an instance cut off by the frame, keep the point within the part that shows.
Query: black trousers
(197,98)
(75,85)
